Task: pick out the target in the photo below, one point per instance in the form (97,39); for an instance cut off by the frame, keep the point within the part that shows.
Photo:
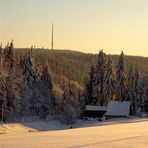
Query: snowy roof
(118,108)
(95,108)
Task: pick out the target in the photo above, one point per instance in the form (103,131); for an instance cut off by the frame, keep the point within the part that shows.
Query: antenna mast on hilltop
(52,37)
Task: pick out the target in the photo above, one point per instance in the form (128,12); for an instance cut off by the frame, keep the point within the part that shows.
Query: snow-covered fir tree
(28,71)
(9,57)
(88,98)
(45,89)
(131,77)
(37,89)
(11,81)
(3,99)
(130,88)
(99,79)
(144,95)
(109,82)
(137,102)
(121,81)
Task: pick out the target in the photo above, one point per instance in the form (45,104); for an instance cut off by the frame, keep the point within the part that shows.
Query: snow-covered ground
(85,134)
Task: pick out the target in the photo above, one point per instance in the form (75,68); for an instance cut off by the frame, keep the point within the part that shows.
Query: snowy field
(132,133)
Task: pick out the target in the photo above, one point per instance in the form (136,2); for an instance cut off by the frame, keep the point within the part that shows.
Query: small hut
(95,111)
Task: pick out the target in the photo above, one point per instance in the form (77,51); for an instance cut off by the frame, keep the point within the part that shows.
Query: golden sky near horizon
(83,25)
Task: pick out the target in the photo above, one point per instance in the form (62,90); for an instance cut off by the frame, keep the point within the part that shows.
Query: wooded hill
(75,66)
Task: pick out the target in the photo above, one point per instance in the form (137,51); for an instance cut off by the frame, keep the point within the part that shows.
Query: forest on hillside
(75,65)
(59,83)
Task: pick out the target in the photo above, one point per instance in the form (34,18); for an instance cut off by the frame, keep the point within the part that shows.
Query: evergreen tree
(28,71)
(3,99)
(46,78)
(130,88)
(121,81)
(99,79)
(9,58)
(11,81)
(144,96)
(88,98)
(109,82)
(137,91)
(45,89)
(29,85)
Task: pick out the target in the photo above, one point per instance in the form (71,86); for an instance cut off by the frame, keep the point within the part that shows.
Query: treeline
(109,82)
(26,88)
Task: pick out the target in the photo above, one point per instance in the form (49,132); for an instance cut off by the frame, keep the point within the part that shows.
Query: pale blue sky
(84,25)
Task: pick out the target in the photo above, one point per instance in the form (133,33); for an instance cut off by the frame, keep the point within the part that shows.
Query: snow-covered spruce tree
(121,81)
(109,82)
(99,80)
(9,57)
(29,93)
(131,77)
(3,99)
(35,89)
(45,89)
(144,96)
(28,71)
(137,102)
(11,75)
(130,88)
(87,95)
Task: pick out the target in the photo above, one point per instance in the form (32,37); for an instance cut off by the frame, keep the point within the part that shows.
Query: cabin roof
(96,108)
(118,108)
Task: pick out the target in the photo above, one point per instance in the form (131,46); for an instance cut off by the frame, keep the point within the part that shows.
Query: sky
(82,25)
